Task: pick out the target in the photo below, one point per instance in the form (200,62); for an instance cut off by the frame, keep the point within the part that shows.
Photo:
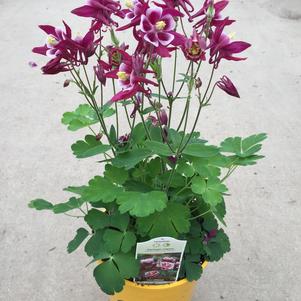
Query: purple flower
(216,19)
(157,27)
(131,76)
(221,46)
(55,36)
(194,47)
(185,4)
(100,71)
(100,10)
(55,66)
(226,85)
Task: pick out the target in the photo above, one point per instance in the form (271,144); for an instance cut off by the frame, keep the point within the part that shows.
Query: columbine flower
(100,70)
(55,66)
(226,85)
(194,47)
(185,4)
(221,46)
(100,10)
(81,48)
(135,9)
(158,27)
(131,76)
(216,19)
(157,32)
(55,36)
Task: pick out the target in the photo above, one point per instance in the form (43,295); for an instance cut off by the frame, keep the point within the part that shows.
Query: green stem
(116,109)
(198,216)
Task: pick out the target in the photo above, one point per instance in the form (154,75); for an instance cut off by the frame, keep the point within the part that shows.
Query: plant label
(160,260)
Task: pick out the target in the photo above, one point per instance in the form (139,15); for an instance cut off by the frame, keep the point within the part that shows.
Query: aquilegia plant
(161,178)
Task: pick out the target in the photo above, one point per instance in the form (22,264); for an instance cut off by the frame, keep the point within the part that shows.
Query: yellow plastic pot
(178,291)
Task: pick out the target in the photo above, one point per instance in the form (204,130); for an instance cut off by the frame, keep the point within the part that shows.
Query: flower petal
(165,38)
(154,14)
(152,38)
(169,21)
(146,26)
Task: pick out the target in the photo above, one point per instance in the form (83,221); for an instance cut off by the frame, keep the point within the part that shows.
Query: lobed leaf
(89,147)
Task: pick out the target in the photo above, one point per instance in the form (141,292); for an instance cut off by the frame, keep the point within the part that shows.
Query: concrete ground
(263,211)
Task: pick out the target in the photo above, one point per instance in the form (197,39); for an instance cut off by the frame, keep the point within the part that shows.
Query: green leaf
(101,189)
(82,117)
(89,147)
(95,246)
(198,185)
(116,241)
(108,278)
(217,246)
(159,148)
(81,235)
(193,267)
(172,221)
(73,203)
(97,219)
(243,147)
(184,168)
(40,204)
(220,211)
(205,168)
(130,159)
(138,133)
(110,274)
(251,160)
(141,204)
(116,175)
(200,150)
(211,190)
(76,189)
(177,180)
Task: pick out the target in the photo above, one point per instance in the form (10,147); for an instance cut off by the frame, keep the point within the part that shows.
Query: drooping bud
(163,117)
(66,83)
(198,83)
(98,136)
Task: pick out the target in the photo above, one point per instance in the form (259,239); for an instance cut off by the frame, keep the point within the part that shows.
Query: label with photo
(160,260)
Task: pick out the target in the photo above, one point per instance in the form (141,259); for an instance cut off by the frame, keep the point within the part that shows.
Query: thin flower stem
(80,84)
(116,109)
(159,121)
(229,173)
(199,110)
(92,130)
(127,116)
(198,216)
(144,125)
(183,82)
(77,216)
(174,71)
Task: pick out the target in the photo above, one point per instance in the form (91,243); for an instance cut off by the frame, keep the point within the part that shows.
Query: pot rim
(161,286)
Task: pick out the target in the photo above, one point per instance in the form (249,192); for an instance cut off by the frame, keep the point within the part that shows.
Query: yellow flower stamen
(122,75)
(160,25)
(51,40)
(129,4)
(232,35)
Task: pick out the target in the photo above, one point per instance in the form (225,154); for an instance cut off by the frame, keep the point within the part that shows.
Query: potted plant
(160,178)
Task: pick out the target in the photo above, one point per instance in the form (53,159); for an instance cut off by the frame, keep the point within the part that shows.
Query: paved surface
(264,209)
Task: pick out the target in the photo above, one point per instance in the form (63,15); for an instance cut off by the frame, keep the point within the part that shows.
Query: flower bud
(198,83)
(66,83)
(98,136)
